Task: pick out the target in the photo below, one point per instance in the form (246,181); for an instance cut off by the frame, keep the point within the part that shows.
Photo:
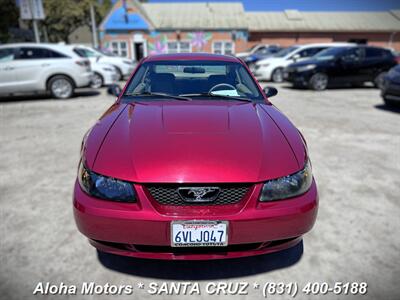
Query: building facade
(135,30)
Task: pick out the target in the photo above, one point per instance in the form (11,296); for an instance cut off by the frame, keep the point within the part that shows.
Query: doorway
(138,50)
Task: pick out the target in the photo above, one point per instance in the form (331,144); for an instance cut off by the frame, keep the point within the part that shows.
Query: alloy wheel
(61,88)
(319,81)
(277,75)
(97,81)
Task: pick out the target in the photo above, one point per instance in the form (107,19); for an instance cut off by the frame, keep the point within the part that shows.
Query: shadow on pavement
(44,96)
(394,109)
(202,270)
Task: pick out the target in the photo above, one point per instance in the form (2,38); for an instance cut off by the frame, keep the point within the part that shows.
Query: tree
(64,17)
(9,18)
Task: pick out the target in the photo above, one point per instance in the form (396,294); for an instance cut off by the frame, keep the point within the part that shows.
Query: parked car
(264,52)
(390,89)
(256,49)
(29,67)
(272,68)
(123,65)
(103,74)
(349,65)
(207,167)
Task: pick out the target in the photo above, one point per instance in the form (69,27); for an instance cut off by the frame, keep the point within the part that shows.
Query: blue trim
(119,20)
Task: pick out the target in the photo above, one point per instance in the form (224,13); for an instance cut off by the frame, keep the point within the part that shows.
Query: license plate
(199,233)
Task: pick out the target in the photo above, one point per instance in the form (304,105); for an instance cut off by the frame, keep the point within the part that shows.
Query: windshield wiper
(160,95)
(216,96)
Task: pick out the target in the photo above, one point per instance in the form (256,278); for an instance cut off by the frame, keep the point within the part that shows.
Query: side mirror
(114,90)
(270,91)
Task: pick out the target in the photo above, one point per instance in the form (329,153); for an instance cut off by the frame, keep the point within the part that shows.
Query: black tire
(318,82)
(378,81)
(391,103)
(97,81)
(277,75)
(61,87)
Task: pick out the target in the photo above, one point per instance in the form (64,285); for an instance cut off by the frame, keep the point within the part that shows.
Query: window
(178,47)
(354,54)
(82,52)
(195,79)
(120,48)
(38,53)
(6,54)
(310,51)
(375,52)
(223,47)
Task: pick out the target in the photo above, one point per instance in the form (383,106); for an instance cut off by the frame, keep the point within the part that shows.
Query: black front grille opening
(168,194)
(196,250)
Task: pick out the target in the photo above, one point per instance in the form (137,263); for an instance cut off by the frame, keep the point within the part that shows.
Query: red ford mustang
(193,162)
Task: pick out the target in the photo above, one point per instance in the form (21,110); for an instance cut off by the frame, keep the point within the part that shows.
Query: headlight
(264,65)
(305,68)
(104,187)
(288,186)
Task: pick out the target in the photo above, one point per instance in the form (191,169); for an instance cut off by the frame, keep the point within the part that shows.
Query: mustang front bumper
(142,229)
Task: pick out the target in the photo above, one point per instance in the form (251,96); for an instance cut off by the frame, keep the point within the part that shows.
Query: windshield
(105,52)
(252,48)
(286,51)
(191,79)
(83,52)
(330,53)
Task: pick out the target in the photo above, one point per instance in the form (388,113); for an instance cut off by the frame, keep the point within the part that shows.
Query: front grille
(168,194)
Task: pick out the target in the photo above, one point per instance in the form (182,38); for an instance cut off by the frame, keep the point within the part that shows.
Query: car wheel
(61,87)
(391,103)
(319,82)
(378,81)
(97,81)
(277,75)
(119,74)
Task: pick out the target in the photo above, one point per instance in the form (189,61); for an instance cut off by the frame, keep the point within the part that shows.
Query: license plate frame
(216,223)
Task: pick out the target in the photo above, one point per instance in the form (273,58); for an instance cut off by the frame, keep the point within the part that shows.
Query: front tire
(120,76)
(391,103)
(378,81)
(97,81)
(318,82)
(61,87)
(277,75)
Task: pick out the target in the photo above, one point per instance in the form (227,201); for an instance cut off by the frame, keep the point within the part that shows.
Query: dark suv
(352,65)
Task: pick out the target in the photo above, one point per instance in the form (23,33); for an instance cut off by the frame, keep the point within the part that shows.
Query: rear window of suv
(6,54)
(371,52)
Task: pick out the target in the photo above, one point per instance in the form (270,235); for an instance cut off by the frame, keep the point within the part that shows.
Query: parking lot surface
(354,144)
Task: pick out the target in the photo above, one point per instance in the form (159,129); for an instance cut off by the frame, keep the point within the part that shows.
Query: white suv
(123,66)
(29,67)
(271,68)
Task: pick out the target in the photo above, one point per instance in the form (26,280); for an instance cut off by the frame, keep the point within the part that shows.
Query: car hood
(270,60)
(98,66)
(199,141)
(242,54)
(113,60)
